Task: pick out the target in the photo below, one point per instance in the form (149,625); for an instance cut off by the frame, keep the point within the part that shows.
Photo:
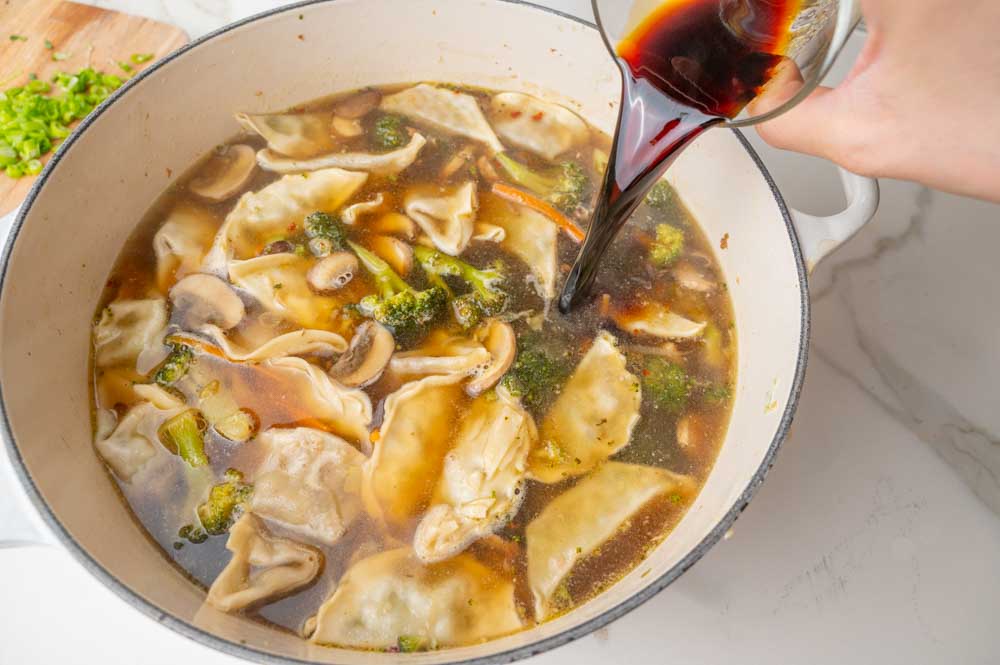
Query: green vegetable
(31,120)
(59,56)
(716,394)
(48,45)
(125,67)
(192,534)
(175,366)
(537,374)
(410,644)
(320,225)
(389,133)
(487,297)
(565,186)
(666,384)
(18,38)
(139,58)
(398,306)
(183,434)
(662,196)
(224,503)
(668,246)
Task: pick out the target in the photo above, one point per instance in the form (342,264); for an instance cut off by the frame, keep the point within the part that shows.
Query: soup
(328,373)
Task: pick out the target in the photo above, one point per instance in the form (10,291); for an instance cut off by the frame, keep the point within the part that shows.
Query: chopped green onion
(18,38)
(139,58)
(59,56)
(127,68)
(48,45)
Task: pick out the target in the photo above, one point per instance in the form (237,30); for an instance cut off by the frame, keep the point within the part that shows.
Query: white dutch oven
(105,175)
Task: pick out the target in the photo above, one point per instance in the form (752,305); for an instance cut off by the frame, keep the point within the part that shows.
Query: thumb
(811,127)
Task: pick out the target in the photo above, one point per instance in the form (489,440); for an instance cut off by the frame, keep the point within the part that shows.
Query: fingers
(811,127)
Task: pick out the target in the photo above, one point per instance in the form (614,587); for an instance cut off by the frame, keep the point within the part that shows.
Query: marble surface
(875,538)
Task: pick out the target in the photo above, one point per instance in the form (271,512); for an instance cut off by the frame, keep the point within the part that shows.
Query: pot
(106,174)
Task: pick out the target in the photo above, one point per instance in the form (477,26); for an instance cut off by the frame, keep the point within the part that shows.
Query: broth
(349,496)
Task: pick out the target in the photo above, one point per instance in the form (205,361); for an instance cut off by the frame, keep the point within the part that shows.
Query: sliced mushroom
(693,279)
(461,158)
(226,173)
(394,251)
(347,127)
(498,338)
(359,105)
(333,272)
(364,361)
(684,433)
(395,224)
(486,169)
(202,299)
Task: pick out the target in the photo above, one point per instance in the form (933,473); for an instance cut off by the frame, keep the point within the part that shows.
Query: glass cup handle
(819,236)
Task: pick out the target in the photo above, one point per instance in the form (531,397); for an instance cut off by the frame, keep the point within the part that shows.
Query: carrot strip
(519,196)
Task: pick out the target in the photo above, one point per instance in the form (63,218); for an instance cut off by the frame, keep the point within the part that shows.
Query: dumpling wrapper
(415,436)
(544,128)
(387,163)
(308,482)
(263,567)
(593,417)
(297,135)
(448,218)
(352,213)
(442,353)
(297,343)
(135,440)
(347,411)
(481,485)
(445,110)
(529,236)
(657,320)
(130,332)
(181,243)
(580,520)
(261,216)
(392,594)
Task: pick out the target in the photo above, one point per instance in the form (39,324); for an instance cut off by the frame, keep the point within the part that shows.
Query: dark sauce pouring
(690,65)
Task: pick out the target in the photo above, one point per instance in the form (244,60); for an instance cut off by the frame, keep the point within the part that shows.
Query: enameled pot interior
(107,175)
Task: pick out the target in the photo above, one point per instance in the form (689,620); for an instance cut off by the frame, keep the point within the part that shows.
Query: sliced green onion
(18,38)
(59,56)
(139,58)
(48,44)
(125,67)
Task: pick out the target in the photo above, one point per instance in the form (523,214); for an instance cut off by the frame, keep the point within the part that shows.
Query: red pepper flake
(724,243)
(645,372)
(291,227)
(516,114)
(538,116)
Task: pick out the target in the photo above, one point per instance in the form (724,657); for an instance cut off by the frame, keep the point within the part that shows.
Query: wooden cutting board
(90,36)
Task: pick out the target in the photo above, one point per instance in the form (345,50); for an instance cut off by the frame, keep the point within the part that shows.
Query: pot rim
(572,634)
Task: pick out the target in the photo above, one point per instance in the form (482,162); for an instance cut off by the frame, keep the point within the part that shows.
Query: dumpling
(346,411)
(448,218)
(392,595)
(131,332)
(263,567)
(657,320)
(387,163)
(182,243)
(297,343)
(442,353)
(580,520)
(481,484)
(352,213)
(309,482)
(529,236)
(546,129)
(415,436)
(297,135)
(593,417)
(445,110)
(261,216)
(135,441)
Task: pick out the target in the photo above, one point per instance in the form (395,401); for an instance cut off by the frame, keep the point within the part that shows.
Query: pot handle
(819,236)
(20,524)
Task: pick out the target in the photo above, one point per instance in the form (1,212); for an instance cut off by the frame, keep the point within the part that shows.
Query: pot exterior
(105,176)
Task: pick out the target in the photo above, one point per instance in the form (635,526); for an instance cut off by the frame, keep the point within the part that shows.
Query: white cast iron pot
(107,173)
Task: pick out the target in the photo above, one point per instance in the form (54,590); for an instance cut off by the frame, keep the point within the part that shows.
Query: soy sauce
(690,65)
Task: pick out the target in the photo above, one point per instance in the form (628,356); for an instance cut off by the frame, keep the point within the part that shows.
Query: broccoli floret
(398,306)
(224,502)
(389,133)
(662,196)
(320,226)
(183,433)
(565,186)
(536,375)
(175,366)
(411,643)
(667,247)
(666,384)
(487,297)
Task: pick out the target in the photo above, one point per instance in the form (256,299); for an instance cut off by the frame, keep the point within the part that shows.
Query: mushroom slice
(347,127)
(359,105)
(657,320)
(226,173)
(498,338)
(394,251)
(205,299)
(395,223)
(366,358)
(693,279)
(332,273)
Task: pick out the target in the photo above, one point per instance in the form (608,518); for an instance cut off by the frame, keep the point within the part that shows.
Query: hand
(922,102)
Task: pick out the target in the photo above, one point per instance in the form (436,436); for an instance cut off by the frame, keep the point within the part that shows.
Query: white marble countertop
(875,538)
